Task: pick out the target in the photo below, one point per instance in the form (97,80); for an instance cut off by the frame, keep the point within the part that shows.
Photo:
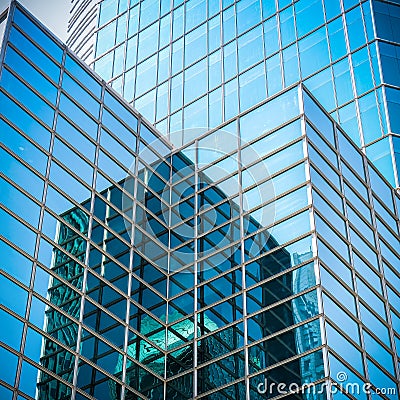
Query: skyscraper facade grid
(259,260)
(197,63)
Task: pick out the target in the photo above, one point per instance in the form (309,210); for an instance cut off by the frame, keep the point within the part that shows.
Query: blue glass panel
(228,25)
(370,117)
(252,86)
(380,379)
(120,110)
(250,47)
(337,39)
(106,38)
(344,90)
(148,42)
(31,75)
(68,184)
(348,121)
(355,28)
(321,86)
(195,44)
(87,124)
(195,13)
(15,263)
(332,9)
(230,60)
(387,20)
(344,348)
(321,145)
(10,291)
(290,65)
(390,54)
(72,161)
(17,202)
(374,324)
(271,38)
(107,11)
(268,8)
(380,154)
(380,187)
(22,176)
(326,209)
(80,95)
(318,118)
(309,15)
(336,288)
(269,115)
(177,26)
(338,368)
(313,51)
(10,360)
(103,66)
(231,99)
(149,12)
(41,60)
(330,235)
(362,71)
(341,318)
(248,15)
(274,74)
(38,35)
(147,74)
(22,147)
(27,97)
(195,83)
(11,331)
(269,143)
(288,34)
(75,138)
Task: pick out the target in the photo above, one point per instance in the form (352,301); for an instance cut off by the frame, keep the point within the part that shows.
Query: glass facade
(198,63)
(253,261)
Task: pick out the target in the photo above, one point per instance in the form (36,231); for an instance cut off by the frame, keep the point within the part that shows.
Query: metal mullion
(88,245)
(387,303)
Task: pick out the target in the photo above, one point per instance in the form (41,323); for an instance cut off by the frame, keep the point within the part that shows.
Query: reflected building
(260,254)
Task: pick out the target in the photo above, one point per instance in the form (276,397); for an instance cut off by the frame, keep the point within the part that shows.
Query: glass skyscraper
(256,256)
(197,63)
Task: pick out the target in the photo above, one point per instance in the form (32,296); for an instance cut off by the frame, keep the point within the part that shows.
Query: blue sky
(52,13)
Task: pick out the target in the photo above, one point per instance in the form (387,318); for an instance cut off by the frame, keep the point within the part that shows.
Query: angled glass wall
(186,64)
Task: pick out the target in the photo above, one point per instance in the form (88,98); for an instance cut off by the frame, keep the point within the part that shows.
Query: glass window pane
(31,75)
(38,35)
(27,97)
